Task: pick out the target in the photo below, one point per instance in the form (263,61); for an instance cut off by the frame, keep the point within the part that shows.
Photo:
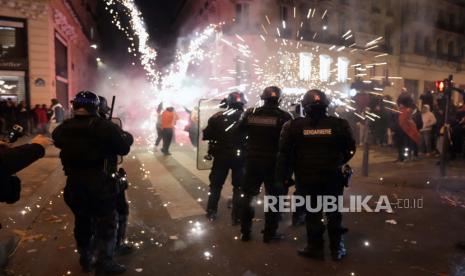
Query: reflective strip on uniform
(262,120)
(314,132)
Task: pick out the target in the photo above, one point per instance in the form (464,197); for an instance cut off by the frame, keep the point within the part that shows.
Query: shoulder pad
(218,114)
(251,109)
(287,113)
(298,119)
(334,118)
(341,120)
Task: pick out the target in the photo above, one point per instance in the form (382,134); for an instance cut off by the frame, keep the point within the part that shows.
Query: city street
(173,237)
(284,86)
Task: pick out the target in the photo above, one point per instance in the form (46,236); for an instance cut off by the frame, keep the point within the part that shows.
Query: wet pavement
(172,236)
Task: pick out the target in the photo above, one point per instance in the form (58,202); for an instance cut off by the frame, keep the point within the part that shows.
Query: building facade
(420,41)
(45,49)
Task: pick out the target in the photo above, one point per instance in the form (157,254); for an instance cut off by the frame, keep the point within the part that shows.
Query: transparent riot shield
(207,107)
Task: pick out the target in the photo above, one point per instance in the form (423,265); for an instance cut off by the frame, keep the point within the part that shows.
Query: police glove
(10,189)
(347,173)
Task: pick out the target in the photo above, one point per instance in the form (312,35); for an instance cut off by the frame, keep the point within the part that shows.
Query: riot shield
(207,107)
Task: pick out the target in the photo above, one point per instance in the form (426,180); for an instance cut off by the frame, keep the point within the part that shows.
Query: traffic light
(440,86)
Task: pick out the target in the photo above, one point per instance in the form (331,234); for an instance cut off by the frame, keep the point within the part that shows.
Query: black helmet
(315,100)
(87,100)
(236,100)
(271,95)
(315,97)
(271,92)
(103,108)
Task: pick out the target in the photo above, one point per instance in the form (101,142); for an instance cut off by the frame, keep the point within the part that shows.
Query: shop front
(13,60)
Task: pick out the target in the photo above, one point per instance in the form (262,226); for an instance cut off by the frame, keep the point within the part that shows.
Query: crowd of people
(414,130)
(41,119)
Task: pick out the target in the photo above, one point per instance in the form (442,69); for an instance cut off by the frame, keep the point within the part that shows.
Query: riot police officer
(226,147)
(316,148)
(86,142)
(122,205)
(262,125)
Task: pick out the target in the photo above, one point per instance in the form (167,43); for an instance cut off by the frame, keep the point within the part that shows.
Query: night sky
(159,15)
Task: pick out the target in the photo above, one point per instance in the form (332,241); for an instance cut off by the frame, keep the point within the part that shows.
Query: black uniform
(226,146)
(12,160)
(316,150)
(85,143)
(262,126)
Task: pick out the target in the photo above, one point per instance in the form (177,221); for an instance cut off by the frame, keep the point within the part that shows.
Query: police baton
(113,99)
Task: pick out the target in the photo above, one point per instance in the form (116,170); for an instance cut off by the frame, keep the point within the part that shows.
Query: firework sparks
(253,69)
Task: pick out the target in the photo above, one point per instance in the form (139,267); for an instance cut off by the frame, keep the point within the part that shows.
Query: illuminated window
(325,66)
(13,43)
(342,69)
(305,66)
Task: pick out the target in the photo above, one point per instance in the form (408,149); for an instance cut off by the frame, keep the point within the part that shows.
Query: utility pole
(366,148)
(447,88)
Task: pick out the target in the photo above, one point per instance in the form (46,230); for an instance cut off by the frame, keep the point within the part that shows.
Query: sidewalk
(421,173)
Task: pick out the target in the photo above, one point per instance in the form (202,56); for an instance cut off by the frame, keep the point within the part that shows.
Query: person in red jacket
(42,119)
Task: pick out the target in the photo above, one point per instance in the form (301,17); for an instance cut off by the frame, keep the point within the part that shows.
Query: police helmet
(314,98)
(87,100)
(236,100)
(271,93)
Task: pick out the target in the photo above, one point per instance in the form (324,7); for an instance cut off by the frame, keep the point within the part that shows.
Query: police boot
(247,213)
(110,267)
(338,250)
(245,237)
(314,250)
(298,219)
(271,236)
(122,248)
(105,263)
(236,207)
(212,204)
(211,215)
(335,233)
(271,227)
(86,260)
